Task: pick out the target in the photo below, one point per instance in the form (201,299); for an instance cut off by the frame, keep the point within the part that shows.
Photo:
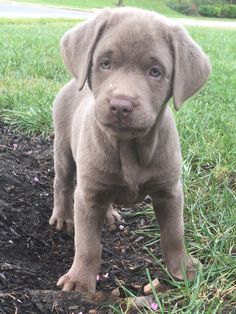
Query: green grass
(31,73)
(154,5)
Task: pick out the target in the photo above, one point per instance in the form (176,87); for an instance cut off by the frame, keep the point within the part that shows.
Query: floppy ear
(191,66)
(78,44)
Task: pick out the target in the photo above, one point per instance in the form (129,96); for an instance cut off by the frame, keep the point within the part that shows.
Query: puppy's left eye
(154,72)
(105,64)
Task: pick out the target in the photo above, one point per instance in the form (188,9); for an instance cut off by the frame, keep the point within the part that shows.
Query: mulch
(33,255)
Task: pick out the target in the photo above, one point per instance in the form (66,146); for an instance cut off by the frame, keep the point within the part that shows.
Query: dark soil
(33,255)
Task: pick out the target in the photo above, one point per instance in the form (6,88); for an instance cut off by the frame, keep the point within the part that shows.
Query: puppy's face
(131,77)
(134,61)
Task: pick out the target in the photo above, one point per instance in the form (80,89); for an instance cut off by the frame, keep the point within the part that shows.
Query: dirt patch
(33,255)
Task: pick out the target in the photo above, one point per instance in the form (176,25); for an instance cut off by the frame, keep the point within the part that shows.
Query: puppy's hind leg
(63,214)
(112,216)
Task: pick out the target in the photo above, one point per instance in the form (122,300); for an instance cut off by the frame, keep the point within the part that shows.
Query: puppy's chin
(123,132)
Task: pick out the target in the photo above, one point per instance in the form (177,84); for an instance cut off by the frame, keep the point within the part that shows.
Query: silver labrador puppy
(114,129)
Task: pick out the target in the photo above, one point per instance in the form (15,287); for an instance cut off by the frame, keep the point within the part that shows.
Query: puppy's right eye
(105,64)
(155,72)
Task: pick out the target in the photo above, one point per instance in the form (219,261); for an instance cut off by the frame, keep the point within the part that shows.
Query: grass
(31,73)
(154,5)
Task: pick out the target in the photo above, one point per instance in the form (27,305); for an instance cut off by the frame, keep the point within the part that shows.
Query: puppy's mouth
(123,129)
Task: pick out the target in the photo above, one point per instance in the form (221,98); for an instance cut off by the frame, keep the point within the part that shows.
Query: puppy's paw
(188,270)
(61,223)
(112,216)
(73,282)
(193,265)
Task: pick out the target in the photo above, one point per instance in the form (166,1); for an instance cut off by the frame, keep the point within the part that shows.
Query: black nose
(121,106)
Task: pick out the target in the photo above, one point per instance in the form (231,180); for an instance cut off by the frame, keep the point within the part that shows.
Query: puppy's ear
(191,66)
(78,44)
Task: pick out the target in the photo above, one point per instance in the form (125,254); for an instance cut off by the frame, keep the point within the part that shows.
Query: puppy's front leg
(168,206)
(89,219)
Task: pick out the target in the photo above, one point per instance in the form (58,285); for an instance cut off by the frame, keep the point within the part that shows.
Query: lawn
(31,73)
(158,6)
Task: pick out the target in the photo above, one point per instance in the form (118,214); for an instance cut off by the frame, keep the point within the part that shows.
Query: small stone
(73,307)
(115,292)
(136,286)
(29,153)
(141,301)
(112,228)
(92,311)
(139,239)
(126,231)
(10,188)
(148,199)
(3,276)
(148,288)
(142,222)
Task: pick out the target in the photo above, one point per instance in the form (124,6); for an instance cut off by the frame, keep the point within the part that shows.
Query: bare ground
(33,255)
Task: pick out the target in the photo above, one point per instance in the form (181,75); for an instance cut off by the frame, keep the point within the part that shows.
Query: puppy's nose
(121,106)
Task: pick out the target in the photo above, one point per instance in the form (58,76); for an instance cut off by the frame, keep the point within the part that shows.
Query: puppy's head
(134,62)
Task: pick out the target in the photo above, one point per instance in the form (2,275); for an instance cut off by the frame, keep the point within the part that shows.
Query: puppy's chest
(132,184)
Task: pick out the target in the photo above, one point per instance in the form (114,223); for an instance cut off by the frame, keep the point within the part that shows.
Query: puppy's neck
(129,163)
(136,155)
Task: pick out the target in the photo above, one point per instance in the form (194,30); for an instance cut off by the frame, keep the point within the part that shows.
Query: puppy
(114,129)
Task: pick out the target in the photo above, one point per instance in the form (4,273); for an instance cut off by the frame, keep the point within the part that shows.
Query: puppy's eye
(154,72)
(105,64)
